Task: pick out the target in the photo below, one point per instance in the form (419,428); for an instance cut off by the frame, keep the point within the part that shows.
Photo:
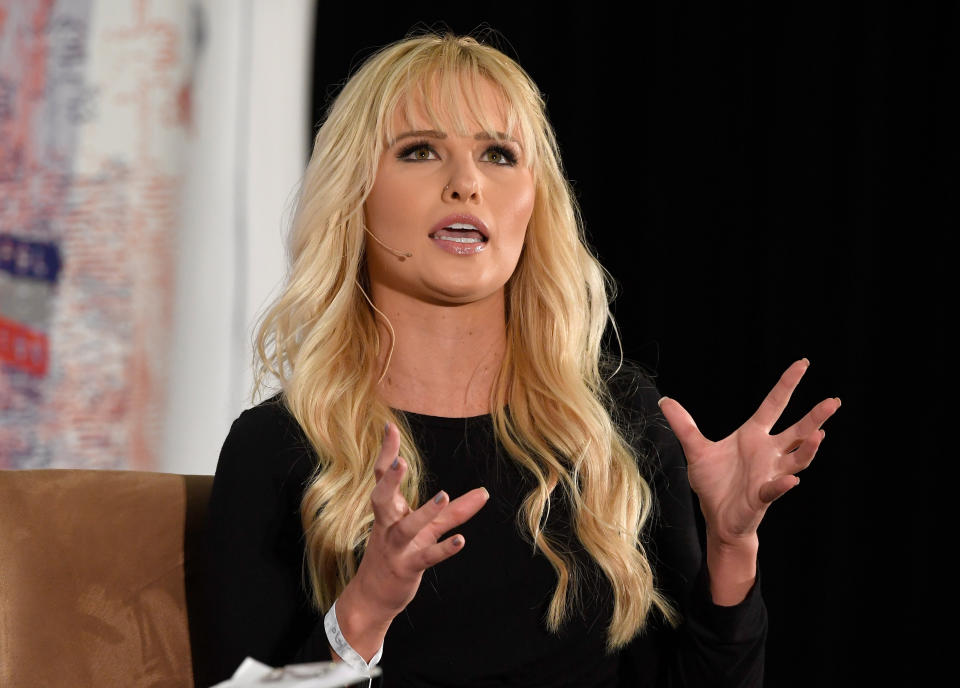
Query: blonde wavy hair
(319,338)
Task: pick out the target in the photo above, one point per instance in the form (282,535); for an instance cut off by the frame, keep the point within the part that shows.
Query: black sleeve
(714,646)
(255,585)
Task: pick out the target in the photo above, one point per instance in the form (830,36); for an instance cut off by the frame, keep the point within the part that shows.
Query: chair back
(95,577)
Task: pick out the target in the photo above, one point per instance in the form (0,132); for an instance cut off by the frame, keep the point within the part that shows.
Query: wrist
(363,624)
(736,546)
(732,566)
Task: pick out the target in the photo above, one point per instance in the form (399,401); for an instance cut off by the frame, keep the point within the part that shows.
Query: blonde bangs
(444,87)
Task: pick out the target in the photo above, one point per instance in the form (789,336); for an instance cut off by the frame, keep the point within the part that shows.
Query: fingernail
(386,429)
(806,360)
(457,540)
(395,464)
(662,399)
(839,403)
(438,498)
(486,495)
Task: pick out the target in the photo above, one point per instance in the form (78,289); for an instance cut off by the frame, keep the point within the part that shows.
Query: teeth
(462,240)
(461,225)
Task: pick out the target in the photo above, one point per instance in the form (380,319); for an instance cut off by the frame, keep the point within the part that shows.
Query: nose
(463,185)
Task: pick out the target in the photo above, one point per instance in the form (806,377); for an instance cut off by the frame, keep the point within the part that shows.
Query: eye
(421,150)
(501,155)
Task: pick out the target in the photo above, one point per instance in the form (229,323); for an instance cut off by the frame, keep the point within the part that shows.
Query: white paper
(252,673)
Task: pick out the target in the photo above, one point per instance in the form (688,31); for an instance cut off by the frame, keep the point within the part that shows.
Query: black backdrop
(766,182)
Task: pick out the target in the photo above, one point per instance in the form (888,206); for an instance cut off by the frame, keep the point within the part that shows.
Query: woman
(454,474)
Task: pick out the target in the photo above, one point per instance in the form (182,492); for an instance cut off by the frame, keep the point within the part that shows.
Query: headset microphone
(398,254)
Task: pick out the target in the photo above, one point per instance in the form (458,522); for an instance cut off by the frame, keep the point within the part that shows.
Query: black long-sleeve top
(478,617)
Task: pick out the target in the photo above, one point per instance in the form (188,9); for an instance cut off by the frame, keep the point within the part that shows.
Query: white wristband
(340,645)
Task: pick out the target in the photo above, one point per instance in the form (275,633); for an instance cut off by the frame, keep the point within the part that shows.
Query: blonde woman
(455,481)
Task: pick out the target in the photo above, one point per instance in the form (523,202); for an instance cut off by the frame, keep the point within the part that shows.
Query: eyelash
(502,150)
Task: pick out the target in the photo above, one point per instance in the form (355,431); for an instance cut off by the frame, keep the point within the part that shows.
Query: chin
(448,294)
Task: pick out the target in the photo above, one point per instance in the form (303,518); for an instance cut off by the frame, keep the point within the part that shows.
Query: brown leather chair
(97,571)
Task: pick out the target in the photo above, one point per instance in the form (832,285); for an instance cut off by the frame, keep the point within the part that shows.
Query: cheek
(519,211)
(390,200)
(378,203)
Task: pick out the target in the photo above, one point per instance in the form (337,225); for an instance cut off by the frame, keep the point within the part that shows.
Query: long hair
(320,340)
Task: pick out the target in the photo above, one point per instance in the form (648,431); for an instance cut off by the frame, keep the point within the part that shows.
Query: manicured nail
(438,498)
(806,360)
(396,463)
(386,429)
(486,495)
(662,399)
(457,540)
(838,401)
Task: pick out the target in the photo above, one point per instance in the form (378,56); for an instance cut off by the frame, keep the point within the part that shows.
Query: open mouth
(460,233)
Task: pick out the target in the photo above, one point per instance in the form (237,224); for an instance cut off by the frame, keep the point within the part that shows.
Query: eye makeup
(503,150)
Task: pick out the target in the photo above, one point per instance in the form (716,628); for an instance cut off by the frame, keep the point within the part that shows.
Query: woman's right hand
(402,544)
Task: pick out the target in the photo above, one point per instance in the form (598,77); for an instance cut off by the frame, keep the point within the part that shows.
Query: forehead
(464,106)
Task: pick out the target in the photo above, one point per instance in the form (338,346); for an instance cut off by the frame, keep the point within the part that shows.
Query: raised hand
(737,478)
(402,544)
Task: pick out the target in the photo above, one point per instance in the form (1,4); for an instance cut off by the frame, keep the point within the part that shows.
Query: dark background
(767,182)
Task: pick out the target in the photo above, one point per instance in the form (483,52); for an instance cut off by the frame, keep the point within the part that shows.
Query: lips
(460,225)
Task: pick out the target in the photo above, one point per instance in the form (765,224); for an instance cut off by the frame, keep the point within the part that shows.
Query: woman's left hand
(737,478)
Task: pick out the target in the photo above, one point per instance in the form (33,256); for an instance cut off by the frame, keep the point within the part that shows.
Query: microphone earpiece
(398,254)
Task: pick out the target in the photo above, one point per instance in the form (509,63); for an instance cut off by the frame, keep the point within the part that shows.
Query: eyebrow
(434,134)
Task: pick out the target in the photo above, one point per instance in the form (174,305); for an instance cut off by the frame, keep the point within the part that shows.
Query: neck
(445,357)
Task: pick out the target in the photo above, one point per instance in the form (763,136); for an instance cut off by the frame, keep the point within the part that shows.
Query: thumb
(682,424)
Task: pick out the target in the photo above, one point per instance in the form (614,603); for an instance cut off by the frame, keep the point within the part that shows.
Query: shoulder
(634,408)
(265,443)
(632,388)
(270,420)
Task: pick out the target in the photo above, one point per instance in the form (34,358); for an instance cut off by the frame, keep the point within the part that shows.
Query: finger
(411,525)
(459,511)
(777,487)
(682,424)
(809,424)
(430,556)
(776,401)
(388,450)
(388,504)
(801,457)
